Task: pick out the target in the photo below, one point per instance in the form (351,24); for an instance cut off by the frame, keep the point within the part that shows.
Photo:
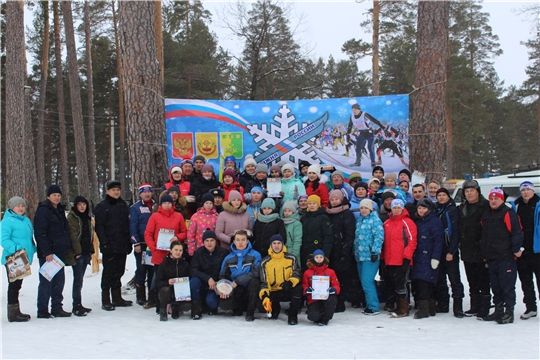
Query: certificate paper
(320,285)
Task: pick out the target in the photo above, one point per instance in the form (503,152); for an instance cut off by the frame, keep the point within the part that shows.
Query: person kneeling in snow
(280,279)
(172,267)
(320,311)
(241,267)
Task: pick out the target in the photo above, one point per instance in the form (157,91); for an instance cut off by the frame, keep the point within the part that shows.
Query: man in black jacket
(112,228)
(51,231)
(204,274)
(528,207)
(470,236)
(502,238)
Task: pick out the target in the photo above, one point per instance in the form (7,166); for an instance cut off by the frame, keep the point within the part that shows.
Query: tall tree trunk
(143,94)
(427,126)
(159,35)
(375,48)
(30,181)
(15,117)
(76,106)
(91,130)
(121,117)
(63,167)
(40,164)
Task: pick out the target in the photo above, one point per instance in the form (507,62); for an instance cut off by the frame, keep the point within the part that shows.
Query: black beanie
(54,189)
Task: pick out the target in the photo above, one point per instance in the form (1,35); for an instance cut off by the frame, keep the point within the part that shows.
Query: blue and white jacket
(139,214)
(241,266)
(369,237)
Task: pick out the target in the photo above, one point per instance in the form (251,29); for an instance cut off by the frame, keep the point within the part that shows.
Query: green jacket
(75,233)
(294,234)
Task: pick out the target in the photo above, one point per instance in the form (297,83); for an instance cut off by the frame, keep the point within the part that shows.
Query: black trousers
(114,266)
(478,278)
(351,289)
(322,310)
(449,269)
(502,276)
(243,298)
(13,291)
(528,265)
(395,280)
(423,290)
(294,296)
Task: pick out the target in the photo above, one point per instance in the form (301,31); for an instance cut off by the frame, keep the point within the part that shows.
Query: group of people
(322,232)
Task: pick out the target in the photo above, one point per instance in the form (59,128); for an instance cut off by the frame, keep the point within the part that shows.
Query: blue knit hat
(276,237)
(318,252)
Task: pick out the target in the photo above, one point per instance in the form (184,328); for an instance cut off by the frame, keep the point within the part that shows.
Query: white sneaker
(528,314)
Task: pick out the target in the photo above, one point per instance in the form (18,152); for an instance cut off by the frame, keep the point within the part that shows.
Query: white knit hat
(315,168)
(368,203)
(249,161)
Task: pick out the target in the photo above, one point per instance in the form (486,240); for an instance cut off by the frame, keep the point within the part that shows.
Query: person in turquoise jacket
(368,242)
(17,232)
(293,227)
(291,186)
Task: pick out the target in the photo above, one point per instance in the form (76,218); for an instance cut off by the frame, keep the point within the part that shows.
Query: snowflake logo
(285,141)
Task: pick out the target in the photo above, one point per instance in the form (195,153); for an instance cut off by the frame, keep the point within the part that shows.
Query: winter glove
(309,290)
(331,291)
(434,263)
(406,262)
(374,257)
(267,304)
(286,285)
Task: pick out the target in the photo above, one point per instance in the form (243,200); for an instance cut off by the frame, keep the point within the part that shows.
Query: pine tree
(270,62)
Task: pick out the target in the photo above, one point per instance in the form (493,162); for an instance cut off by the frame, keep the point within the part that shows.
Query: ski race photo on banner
(318,131)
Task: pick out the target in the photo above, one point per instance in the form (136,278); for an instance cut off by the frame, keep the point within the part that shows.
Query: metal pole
(112,164)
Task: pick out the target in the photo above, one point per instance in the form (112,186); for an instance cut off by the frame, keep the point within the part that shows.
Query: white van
(509,183)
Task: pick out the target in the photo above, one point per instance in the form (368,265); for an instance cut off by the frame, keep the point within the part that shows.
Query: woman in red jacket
(230,183)
(167,219)
(397,253)
(315,186)
(320,311)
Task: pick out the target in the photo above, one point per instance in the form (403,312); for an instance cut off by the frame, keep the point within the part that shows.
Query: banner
(331,131)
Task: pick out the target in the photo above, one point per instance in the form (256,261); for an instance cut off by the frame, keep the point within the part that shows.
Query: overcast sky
(327,25)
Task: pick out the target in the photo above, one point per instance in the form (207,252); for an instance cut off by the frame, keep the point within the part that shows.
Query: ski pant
(361,140)
(322,310)
(114,266)
(450,269)
(395,280)
(478,278)
(367,271)
(502,277)
(529,265)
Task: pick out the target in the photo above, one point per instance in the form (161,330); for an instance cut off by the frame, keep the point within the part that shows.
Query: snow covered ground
(135,333)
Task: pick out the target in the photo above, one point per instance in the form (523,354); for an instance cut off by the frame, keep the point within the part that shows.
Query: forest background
(490,126)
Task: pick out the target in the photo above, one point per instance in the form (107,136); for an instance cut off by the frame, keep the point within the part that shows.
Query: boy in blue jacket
(241,267)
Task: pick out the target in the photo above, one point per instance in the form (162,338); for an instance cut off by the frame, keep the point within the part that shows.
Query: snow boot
(117,299)
(141,295)
(496,315)
(528,314)
(175,311)
(508,316)
(458,308)
(484,305)
(14,314)
(78,310)
(106,301)
(432,308)
(163,314)
(423,310)
(196,310)
(443,306)
(475,303)
(151,302)
(402,308)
